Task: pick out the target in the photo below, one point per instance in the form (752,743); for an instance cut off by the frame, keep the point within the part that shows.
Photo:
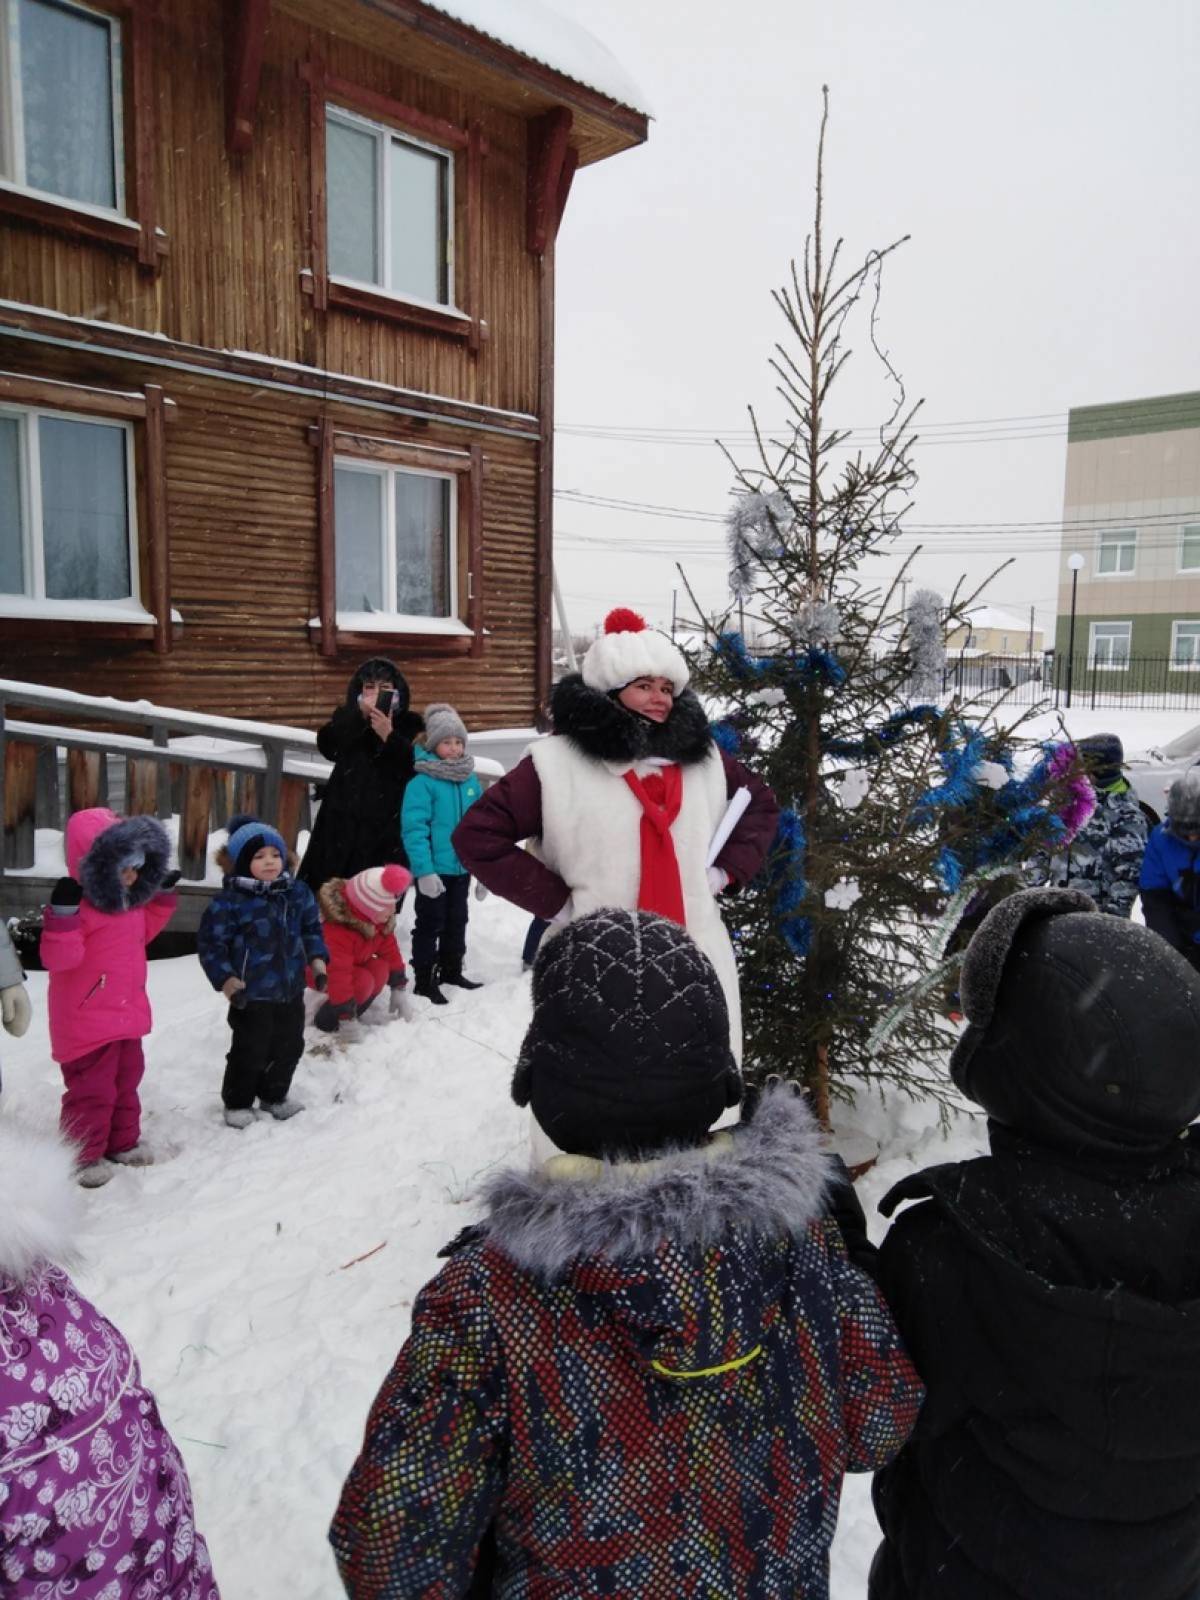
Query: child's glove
(234,991)
(718,880)
(481,891)
(320,976)
(169,881)
(67,895)
(430,884)
(14,1009)
(398,1003)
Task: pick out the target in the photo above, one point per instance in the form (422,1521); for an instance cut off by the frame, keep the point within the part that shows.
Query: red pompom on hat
(372,894)
(628,649)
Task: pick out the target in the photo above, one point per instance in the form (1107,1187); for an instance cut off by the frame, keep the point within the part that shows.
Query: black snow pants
(268,1041)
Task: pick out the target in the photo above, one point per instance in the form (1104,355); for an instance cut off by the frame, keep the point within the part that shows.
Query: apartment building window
(394,535)
(391,209)
(1185,646)
(1117,551)
(61,131)
(66,509)
(1189,548)
(1108,649)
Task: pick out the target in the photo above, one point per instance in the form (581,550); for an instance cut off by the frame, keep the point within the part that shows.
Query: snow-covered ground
(266,1277)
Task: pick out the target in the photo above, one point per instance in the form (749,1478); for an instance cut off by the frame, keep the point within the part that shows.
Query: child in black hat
(1050,1291)
(645,1373)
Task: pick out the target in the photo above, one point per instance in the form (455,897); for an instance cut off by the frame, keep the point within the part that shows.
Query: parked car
(1152,772)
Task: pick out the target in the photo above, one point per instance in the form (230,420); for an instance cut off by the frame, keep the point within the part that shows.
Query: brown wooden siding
(241,491)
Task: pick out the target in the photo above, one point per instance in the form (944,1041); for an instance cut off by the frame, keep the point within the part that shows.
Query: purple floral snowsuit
(94,1499)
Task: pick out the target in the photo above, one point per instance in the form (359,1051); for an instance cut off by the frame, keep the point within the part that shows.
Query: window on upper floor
(1117,551)
(1185,645)
(394,534)
(1108,649)
(390,209)
(1189,547)
(61,126)
(66,508)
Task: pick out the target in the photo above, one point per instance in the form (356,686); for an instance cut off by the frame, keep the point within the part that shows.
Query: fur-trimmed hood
(97,841)
(766,1178)
(601,727)
(40,1202)
(331,897)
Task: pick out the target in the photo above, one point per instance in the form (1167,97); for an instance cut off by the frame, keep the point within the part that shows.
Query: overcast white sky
(1043,156)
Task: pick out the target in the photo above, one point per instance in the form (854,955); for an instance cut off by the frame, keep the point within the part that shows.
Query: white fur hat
(628,649)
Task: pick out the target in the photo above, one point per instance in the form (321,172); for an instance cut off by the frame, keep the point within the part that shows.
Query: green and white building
(1132,512)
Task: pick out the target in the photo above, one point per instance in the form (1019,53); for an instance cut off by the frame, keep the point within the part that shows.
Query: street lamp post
(1075,562)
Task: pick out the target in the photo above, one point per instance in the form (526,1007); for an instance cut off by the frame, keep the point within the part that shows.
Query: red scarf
(660,795)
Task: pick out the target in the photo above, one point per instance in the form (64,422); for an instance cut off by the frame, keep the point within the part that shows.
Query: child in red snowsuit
(359,923)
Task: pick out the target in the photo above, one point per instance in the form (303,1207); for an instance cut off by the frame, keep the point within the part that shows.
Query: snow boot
(240,1118)
(427,987)
(451,972)
(95,1175)
(138,1155)
(281,1110)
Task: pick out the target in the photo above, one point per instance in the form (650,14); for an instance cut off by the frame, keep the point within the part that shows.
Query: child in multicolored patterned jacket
(646,1372)
(256,938)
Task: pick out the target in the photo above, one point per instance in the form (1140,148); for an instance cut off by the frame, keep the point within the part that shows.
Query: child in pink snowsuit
(94,938)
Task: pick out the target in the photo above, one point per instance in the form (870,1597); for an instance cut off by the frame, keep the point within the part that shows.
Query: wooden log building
(276,344)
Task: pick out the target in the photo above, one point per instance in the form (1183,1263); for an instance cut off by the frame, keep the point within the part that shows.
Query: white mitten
(563,915)
(430,884)
(14,1009)
(718,879)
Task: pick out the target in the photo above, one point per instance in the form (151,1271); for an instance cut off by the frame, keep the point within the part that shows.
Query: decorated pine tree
(900,809)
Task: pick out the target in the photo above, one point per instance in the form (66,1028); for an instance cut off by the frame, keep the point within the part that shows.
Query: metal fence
(1139,683)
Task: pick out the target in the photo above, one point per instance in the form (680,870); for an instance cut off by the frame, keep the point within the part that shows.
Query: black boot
(426,985)
(451,972)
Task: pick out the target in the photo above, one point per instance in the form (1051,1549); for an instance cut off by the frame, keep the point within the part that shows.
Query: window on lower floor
(390,209)
(1189,548)
(1108,650)
(60,109)
(1117,551)
(1185,645)
(66,508)
(394,540)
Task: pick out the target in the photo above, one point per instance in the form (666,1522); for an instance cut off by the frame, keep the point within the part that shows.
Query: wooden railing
(259,767)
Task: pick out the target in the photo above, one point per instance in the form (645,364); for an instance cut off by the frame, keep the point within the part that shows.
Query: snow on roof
(536,30)
(993,617)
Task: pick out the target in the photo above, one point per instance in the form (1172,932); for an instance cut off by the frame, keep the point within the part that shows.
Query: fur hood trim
(331,897)
(229,867)
(40,1203)
(767,1177)
(99,868)
(601,727)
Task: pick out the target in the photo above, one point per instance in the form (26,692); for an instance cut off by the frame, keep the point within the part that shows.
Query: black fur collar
(600,726)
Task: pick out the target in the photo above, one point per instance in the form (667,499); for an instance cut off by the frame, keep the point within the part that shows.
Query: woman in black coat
(1049,1293)
(369,741)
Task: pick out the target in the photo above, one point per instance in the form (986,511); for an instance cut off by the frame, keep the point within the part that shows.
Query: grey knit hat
(442,722)
(1183,803)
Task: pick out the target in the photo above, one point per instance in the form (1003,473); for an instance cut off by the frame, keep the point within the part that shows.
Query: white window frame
(1185,528)
(1194,664)
(35,602)
(1109,666)
(1127,537)
(12,119)
(384,134)
(398,621)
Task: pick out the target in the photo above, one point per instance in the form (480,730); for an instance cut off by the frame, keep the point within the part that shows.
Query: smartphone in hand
(385,701)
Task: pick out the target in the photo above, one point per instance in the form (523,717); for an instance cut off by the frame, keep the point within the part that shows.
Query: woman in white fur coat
(622,802)
(94,1499)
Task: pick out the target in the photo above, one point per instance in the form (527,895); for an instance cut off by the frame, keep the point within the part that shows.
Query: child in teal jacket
(435,800)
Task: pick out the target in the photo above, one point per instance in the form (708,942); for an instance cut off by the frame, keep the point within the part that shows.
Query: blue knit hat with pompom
(248,834)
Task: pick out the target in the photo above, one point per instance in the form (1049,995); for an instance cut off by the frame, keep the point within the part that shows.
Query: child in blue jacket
(255,939)
(1170,880)
(443,787)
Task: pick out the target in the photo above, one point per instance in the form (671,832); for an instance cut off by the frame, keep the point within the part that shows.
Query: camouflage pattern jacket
(1105,857)
(642,1381)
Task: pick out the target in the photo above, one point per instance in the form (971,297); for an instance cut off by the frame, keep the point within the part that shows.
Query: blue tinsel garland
(791,885)
(814,662)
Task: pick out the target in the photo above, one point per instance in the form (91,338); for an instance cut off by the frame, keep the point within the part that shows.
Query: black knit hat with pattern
(628,1051)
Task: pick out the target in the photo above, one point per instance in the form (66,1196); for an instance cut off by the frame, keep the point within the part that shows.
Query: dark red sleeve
(746,848)
(487,842)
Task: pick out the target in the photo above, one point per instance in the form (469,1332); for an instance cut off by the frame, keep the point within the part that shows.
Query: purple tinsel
(1081,797)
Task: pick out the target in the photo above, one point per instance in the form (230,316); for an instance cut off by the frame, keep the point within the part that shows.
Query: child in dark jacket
(359,926)
(1049,1292)
(1170,879)
(437,798)
(645,1373)
(255,939)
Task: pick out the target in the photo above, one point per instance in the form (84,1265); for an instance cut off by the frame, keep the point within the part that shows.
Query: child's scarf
(660,795)
(456,771)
